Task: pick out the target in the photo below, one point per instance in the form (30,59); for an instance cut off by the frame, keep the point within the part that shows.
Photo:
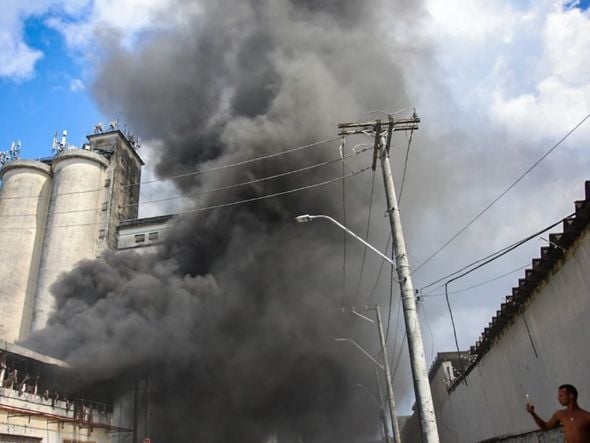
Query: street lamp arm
(307,218)
(361,349)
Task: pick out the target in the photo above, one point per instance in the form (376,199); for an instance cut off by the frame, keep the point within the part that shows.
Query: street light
(415,345)
(307,218)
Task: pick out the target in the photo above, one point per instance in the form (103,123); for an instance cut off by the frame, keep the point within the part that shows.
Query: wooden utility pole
(382,131)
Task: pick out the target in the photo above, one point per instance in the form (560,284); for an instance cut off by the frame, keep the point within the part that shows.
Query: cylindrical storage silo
(24,198)
(73,222)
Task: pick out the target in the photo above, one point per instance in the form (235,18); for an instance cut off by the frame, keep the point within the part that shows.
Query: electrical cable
(502,194)
(401,190)
(237,202)
(491,259)
(500,251)
(358,289)
(206,191)
(398,358)
(383,261)
(250,182)
(428,328)
(430,294)
(391,279)
(343,297)
(197,172)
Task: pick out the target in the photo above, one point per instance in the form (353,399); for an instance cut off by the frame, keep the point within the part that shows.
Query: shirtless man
(575,420)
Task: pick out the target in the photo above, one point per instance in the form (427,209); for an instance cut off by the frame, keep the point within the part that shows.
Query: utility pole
(383,133)
(390,400)
(383,420)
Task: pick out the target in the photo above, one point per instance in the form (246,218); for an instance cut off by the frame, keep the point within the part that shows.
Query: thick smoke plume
(234,317)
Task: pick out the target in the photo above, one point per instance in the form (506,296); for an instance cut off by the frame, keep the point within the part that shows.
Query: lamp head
(303,218)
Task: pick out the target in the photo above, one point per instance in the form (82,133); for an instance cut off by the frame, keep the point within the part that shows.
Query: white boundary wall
(493,403)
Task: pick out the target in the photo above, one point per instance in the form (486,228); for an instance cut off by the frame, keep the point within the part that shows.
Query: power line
(401,190)
(196,172)
(276,194)
(399,354)
(491,259)
(249,182)
(502,194)
(497,254)
(428,328)
(358,289)
(237,202)
(195,194)
(477,285)
(391,279)
(244,162)
(383,261)
(343,297)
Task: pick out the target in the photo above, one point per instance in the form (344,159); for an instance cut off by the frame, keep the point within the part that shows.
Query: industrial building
(55,212)
(537,341)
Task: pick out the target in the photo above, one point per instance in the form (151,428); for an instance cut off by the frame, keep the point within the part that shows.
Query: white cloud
(77,85)
(80,22)
(119,20)
(561,93)
(525,69)
(17,59)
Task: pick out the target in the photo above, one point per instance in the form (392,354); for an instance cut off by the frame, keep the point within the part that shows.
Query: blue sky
(33,109)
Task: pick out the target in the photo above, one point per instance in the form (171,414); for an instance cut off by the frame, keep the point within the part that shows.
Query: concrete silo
(77,213)
(24,199)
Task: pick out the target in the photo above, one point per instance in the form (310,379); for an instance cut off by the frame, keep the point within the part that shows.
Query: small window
(105,206)
(139,238)
(153,236)
(101,234)
(107,183)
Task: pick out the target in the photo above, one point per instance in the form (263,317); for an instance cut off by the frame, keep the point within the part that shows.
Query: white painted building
(57,211)
(538,340)
(53,213)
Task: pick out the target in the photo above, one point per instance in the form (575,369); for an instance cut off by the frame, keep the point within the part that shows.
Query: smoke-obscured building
(537,341)
(55,212)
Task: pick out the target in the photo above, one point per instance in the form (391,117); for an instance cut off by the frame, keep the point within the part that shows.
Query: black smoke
(233,319)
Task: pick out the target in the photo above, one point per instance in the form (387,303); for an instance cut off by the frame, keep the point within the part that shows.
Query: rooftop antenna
(55,143)
(64,140)
(98,128)
(15,150)
(4,158)
(60,146)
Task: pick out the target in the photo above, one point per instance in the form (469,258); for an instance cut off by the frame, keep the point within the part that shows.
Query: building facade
(537,341)
(55,212)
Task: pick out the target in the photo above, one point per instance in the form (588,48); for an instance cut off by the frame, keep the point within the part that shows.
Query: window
(153,236)
(139,238)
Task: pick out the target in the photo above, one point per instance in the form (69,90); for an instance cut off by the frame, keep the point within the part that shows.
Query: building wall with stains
(544,345)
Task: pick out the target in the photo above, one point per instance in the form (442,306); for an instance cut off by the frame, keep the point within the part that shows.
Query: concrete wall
(24,200)
(143,236)
(492,404)
(73,224)
(124,176)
